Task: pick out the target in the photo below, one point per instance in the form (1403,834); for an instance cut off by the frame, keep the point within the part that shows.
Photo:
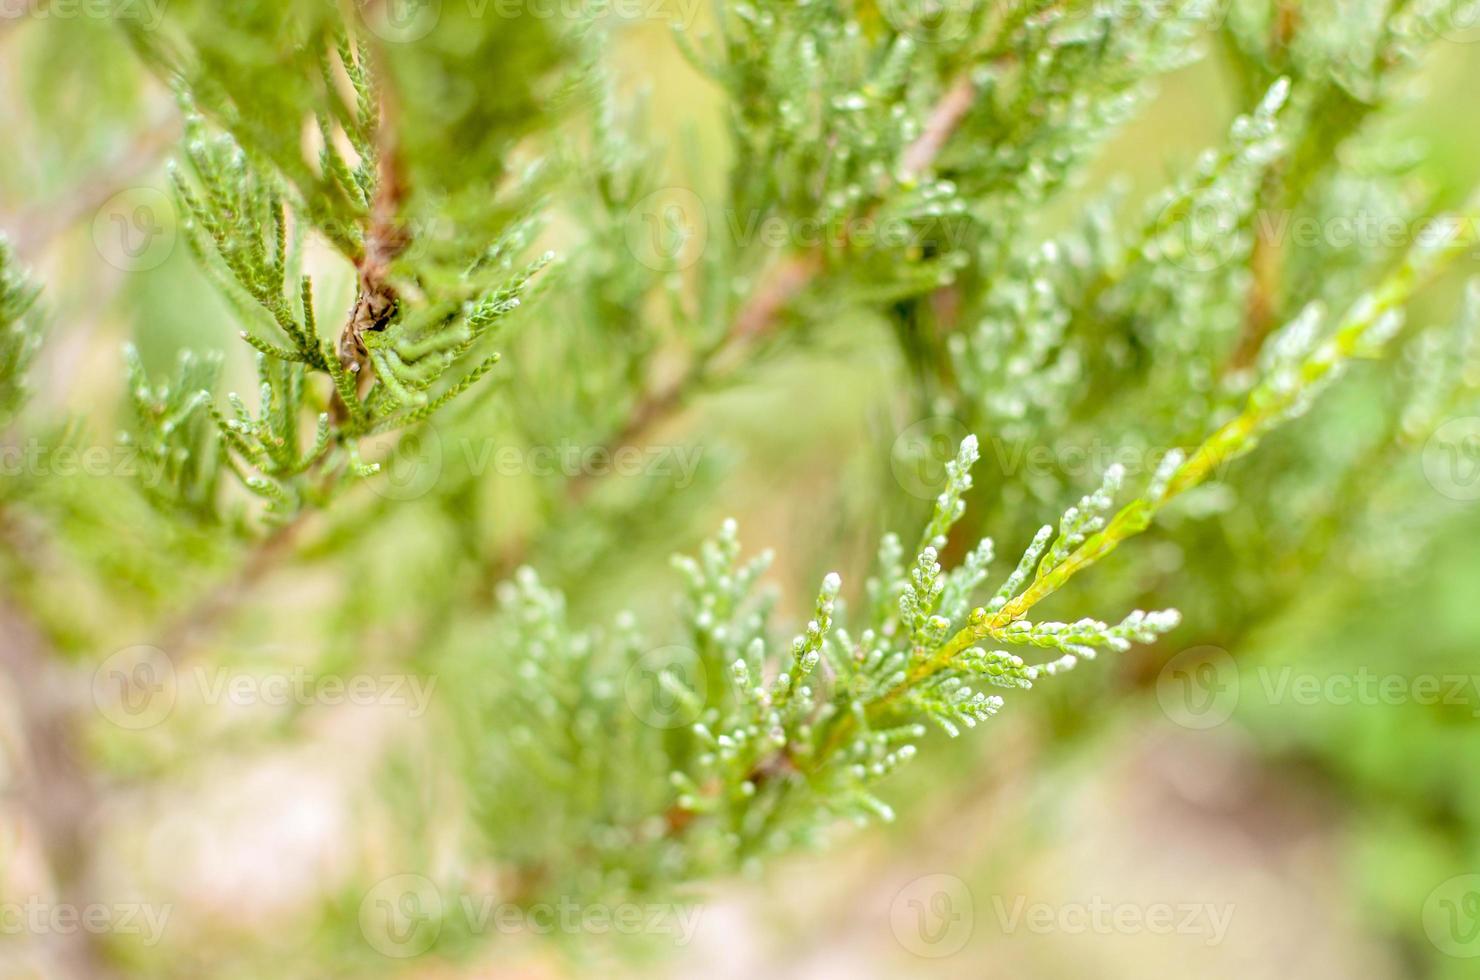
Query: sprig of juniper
(769,741)
(394,364)
(19,333)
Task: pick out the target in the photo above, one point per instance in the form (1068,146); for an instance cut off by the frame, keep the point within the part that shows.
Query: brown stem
(771,299)
(375,303)
(53,788)
(943,122)
(1261,308)
(208,612)
(385,239)
(785,281)
(782,284)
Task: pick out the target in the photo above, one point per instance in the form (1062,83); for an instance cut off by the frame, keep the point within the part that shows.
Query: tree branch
(207,613)
(53,788)
(783,282)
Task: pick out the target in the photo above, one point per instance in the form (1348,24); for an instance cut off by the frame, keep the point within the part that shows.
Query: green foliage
(377,211)
(399,359)
(18,334)
(766,742)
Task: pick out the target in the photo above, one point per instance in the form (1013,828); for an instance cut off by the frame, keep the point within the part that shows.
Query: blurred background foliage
(1326,826)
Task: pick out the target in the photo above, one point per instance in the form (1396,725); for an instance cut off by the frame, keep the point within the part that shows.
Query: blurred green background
(1325,837)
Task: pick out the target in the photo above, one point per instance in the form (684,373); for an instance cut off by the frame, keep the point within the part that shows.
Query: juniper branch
(1366,326)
